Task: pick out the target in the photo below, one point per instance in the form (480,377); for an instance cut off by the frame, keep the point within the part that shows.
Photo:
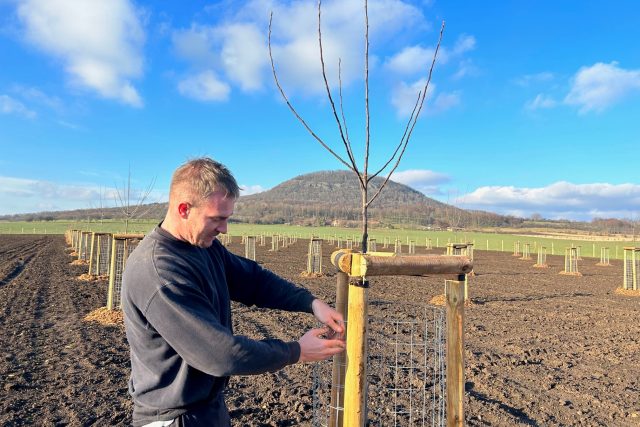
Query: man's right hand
(314,347)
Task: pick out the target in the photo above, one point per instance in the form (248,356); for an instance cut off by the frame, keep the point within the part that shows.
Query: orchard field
(541,349)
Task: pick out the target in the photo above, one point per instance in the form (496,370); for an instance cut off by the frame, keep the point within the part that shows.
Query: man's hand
(327,315)
(314,347)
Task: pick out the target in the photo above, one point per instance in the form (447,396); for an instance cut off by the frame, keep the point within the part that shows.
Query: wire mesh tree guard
(516,248)
(405,369)
(121,246)
(314,257)
(76,239)
(84,243)
(526,251)
(427,244)
(542,258)
(99,254)
(349,396)
(571,262)
(631,266)
(250,247)
(604,257)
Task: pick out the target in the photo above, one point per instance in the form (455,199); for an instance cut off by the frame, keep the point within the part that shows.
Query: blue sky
(534,106)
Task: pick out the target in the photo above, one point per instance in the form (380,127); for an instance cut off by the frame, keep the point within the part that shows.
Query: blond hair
(197,179)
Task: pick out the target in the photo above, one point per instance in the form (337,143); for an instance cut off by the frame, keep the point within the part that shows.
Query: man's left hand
(327,315)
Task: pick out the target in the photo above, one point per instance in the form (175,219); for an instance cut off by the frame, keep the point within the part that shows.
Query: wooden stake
(355,395)
(112,275)
(339,360)
(454,292)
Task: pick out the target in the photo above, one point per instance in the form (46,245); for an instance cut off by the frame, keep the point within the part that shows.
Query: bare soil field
(542,349)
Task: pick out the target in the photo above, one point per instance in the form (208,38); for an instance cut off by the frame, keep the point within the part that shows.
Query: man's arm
(190,325)
(251,284)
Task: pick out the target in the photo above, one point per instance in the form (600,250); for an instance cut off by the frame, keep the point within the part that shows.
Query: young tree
(100,205)
(362,173)
(131,201)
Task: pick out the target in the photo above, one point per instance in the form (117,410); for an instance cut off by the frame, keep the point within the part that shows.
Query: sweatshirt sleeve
(189,323)
(251,284)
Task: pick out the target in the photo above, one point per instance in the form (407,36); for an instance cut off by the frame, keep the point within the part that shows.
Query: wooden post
(339,360)
(356,375)
(454,293)
(93,252)
(112,275)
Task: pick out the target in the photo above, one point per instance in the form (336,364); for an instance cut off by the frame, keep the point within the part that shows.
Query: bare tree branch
(330,97)
(366,94)
(123,200)
(143,199)
(415,119)
(341,121)
(344,120)
(293,110)
(406,130)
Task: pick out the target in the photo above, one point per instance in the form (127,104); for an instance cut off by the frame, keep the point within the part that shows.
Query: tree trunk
(365,222)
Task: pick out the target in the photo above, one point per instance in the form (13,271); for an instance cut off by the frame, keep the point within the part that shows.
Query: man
(176,292)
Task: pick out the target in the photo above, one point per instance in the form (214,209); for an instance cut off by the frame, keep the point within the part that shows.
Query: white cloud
(204,87)
(423,180)
(541,101)
(8,105)
(559,200)
(410,60)
(405,95)
(404,98)
(465,68)
(417,59)
(532,79)
(600,86)
(21,195)
(464,44)
(246,190)
(28,195)
(443,102)
(196,45)
(244,55)
(37,96)
(99,42)
(235,49)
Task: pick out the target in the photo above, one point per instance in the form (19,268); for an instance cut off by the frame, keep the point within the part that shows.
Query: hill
(320,198)
(333,197)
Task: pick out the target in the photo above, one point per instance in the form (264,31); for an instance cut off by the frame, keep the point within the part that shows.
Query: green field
(481,241)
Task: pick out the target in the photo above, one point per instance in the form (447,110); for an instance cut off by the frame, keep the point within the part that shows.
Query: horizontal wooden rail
(128,236)
(390,264)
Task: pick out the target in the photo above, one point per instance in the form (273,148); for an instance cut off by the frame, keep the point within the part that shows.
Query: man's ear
(183,210)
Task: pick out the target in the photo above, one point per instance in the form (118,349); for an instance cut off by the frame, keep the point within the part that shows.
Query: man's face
(209,219)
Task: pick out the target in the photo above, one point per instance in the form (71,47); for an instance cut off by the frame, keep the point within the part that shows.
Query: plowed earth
(542,349)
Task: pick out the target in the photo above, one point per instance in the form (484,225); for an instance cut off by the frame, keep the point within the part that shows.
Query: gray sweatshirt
(176,301)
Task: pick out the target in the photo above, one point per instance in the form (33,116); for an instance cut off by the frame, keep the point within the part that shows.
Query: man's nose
(222,227)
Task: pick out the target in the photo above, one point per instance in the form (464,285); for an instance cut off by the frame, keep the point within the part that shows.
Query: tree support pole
(339,360)
(356,374)
(455,295)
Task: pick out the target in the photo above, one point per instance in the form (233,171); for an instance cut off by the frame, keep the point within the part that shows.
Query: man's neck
(171,227)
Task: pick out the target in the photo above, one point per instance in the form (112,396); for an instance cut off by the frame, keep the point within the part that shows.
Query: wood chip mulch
(306,274)
(628,292)
(105,316)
